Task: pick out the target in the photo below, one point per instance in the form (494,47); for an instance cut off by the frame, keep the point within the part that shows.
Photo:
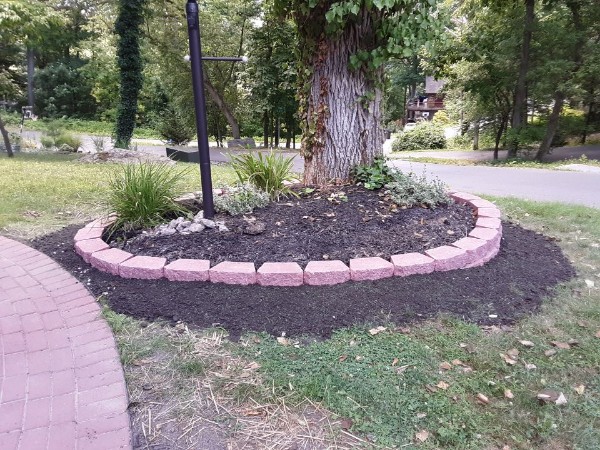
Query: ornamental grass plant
(269,172)
(143,195)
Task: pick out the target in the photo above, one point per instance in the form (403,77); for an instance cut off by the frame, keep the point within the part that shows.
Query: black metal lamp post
(196,58)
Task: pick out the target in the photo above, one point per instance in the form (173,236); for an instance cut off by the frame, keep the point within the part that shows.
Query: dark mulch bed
(316,226)
(510,286)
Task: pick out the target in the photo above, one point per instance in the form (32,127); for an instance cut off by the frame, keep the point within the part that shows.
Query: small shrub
(268,173)
(462,142)
(441,118)
(373,176)
(408,190)
(47,142)
(425,135)
(172,128)
(67,141)
(143,195)
(241,199)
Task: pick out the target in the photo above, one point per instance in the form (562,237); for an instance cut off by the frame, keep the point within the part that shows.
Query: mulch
(341,222)
(510,286)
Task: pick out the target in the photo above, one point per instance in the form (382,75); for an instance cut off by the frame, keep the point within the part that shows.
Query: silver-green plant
(241,199)
(408,190)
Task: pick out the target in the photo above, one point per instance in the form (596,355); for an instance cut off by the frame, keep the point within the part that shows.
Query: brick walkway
(61,382)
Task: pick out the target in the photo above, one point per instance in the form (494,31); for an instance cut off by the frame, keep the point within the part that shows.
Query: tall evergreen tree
(127,26)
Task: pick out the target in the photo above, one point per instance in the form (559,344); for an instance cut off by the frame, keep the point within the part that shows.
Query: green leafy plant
(426,135)
(269,173)
(47,142)
(67,141)
(241,199)
(408,190)
(143,195)
(373,176)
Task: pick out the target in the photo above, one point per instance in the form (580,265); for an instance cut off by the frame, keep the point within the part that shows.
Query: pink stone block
(103,222)
(188,270)
(229,272)
(280,274)
(86,247)
(493,251)
(475,248)
(88,233)
(109,260)
(319,273)
(463,197)
(481,203)
(143,267)
(412,264)
(487,234)
(489,222)
(448,258)
(373,268)
(489,212)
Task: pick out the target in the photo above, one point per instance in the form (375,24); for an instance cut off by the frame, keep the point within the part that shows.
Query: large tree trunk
(343,111)
(216,97)
(30,74)
(6,139)
(521,88)
(476,135)
(559,100)
(266,129)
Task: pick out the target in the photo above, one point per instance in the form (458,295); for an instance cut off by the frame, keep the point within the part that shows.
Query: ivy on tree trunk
(127,26)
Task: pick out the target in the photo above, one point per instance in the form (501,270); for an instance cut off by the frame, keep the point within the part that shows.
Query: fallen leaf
(508,360)
(442,385)
(359,358)
(589,283)
(403,330)
(505,447)
(374,331)
(457,362)
(527,343)
(530,366)
(483,399)
(252,366)
(583,324)
(401,369)
(550,396)
(445,365)
(513,353)
(422,435)
(580,389)
(431,388)
(508,394)
(550,352)
(561,345)
(283,341)
(573,342)
(421,415)
(342,358)
(141,362)
(394,362)
(598,334)
(346,424)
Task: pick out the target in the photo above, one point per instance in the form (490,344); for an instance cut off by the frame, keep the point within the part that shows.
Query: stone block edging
(481,245)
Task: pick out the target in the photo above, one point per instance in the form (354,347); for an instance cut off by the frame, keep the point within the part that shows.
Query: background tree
(127,27)
(343,47)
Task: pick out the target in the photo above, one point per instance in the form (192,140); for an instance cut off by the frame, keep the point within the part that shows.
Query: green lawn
(40,193)
(390,387)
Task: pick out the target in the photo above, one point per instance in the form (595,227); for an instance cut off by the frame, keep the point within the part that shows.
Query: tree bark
(30,74)
(216,97)
(476,135)
(266,129)
(588,116)
(521,88)
(6,139)
(343,109)
(559,100)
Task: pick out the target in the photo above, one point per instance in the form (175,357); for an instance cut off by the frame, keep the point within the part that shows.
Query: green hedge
(425,135)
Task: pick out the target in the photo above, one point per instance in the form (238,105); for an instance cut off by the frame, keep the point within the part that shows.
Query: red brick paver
(61,382)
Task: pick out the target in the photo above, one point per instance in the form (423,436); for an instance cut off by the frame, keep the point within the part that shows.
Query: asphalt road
(531,184)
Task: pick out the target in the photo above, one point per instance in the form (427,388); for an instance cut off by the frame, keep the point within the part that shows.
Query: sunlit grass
(40,193)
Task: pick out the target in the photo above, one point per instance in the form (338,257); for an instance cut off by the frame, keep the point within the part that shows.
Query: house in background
(424,107)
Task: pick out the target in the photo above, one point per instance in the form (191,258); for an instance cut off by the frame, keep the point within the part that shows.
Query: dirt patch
(338,223)
(511,285)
